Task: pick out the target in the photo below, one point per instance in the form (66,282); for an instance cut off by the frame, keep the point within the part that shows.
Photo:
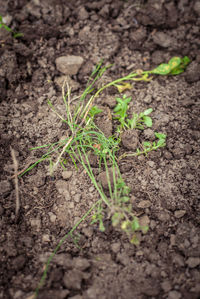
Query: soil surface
(164,185)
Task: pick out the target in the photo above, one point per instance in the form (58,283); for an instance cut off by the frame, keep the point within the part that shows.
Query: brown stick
(15,166)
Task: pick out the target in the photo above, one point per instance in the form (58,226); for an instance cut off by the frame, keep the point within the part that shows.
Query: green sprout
(3,25)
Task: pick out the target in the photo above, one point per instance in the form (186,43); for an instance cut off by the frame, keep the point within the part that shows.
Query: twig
(15,166)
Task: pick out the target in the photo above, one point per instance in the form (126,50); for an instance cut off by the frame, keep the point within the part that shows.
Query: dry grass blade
(15,166)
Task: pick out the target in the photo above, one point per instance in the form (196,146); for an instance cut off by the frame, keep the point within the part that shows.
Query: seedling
(121,110)
(3,25)
(139,120)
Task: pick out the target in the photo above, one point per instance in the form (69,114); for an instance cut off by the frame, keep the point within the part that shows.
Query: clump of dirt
(164,185)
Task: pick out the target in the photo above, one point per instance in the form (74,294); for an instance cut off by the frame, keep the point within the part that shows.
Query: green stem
(58,247)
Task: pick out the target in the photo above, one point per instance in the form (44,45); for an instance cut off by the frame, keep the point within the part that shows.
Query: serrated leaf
(147,144)
(147,121)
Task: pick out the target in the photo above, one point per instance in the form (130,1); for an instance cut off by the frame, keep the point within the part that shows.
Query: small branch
(15,166)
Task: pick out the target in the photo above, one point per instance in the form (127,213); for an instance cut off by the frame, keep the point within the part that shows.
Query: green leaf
(144,229)
(174,62)
(101,227)
(94,110)
(161,143)
(135,224)
(148,111)
(134,240)
(147,144)
(116,218)
(125,199)
(160,135)
(162,69)
(147,121)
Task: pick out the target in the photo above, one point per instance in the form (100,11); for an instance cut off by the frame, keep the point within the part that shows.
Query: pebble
(52,217)
(62,187)
(178,260)
(144,204)
(82,14)
(197,7)
(66,174)
(69,65)
(77,197)
(179,213)
(5,187)
(45,238)
(163,216)
(174,295)
(36,223)
(166,286)
(193,262)
(163,40)
(115,247)
(73,279)
(81,264)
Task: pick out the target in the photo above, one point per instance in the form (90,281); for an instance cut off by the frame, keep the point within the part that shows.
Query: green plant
(85,137)
(3,25)
(137,121)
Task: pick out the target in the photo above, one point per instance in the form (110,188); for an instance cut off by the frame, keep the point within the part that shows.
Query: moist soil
(90,264)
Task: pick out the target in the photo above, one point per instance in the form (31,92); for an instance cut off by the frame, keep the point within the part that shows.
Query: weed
(3,25)
(86,137)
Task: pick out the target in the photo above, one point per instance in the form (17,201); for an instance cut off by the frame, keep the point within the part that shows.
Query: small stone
(88,231)
(91,189)
(144,220)
(69,65)
(52,217)
(163,216)
(179,213)
(178,260)
(73,279)
(192,73)
(163,40)
(66,79)
(67,174)
(5,187)
(77,197)
(144,204)
(104,180)
(45,238)
(130,139)
(62,187)
(174,295)
(115,247)
(196,7)
(18,262)
(82,13)
(193,262)
(166,286)
(36,223)
(81,263)
(149,135)
(110,101)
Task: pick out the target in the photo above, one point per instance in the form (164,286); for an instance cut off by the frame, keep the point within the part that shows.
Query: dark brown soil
(164,186)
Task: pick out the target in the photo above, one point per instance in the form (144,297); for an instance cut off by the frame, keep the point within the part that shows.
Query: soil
(164,185)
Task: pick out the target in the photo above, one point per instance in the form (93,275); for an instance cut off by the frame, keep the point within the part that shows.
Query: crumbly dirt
(164,185)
